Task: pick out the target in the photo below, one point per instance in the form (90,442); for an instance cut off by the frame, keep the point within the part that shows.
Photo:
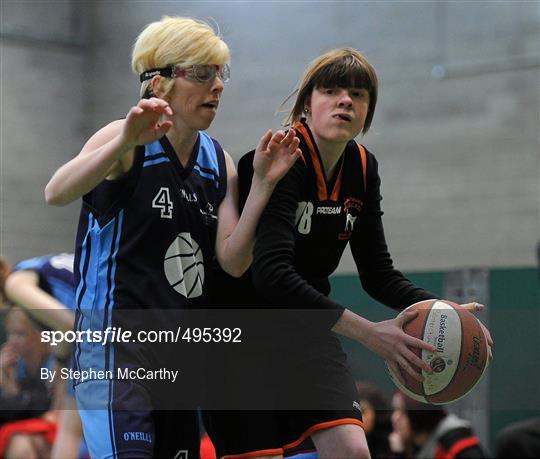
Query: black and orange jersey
(309,221)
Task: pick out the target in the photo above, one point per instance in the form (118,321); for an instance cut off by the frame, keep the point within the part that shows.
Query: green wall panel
(514,318)
(515,328)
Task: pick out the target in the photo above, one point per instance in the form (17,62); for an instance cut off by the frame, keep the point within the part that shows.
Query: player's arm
(276,278)
(68,439)
(375,266)
(22,288)
(109,152)
(273,271)
(387,339)
(274,156)
(370,252)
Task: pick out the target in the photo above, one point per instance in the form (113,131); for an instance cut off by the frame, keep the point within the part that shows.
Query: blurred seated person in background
(427,431)
(520,439)
(27,402)
(45,288)
(376,415)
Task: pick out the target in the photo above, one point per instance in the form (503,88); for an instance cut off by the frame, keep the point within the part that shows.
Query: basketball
(461,357)
(184,266)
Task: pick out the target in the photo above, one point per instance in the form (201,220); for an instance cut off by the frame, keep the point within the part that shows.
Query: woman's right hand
(142,125)
(8,356)
(388,340)
(109,152)
(8,374)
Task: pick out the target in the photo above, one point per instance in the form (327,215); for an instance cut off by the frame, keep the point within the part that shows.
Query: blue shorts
(119,421)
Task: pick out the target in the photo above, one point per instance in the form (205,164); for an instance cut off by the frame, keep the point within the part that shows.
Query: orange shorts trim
(262,452)
(323,425)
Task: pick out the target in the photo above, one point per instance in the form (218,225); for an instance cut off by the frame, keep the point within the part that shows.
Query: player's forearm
(84,172)
(355,327)
(40,305)
(238,250)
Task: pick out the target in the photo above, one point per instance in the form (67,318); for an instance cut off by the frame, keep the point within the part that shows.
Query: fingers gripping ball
(461,357)
(184,266)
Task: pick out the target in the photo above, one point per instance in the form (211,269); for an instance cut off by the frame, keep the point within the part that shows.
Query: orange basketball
(461,356)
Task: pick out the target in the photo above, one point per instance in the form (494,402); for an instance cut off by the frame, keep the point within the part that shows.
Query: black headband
(165,72)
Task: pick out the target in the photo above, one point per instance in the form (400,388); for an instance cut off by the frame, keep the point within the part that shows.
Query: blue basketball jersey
(55,273)
(146,241)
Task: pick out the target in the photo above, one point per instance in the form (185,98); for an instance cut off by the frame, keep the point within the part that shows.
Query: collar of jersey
(169,151)
(322,184)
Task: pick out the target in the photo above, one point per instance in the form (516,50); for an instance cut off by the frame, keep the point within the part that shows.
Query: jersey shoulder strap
(363,160)
(355,170)
(212,159)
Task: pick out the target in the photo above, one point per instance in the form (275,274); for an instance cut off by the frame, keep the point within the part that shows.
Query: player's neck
(183,143)
(330,153)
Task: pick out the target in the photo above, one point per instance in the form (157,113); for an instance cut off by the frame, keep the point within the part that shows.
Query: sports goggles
(199,72)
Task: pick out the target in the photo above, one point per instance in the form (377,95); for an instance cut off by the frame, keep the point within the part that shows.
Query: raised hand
(143,124)
(275,155)
(390,341)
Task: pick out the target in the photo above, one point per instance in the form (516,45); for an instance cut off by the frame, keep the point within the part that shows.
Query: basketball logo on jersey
(352,208)
(184,266)
(349,221)
(209,217)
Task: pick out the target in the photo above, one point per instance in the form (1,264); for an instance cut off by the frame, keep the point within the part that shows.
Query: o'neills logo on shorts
(139,436)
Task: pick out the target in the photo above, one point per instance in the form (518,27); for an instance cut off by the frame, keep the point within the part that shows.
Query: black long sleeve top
(307,224)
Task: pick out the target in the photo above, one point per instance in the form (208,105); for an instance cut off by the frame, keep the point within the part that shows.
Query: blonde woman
(159,205)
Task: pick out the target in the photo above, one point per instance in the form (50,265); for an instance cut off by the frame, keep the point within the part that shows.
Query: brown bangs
(347,72)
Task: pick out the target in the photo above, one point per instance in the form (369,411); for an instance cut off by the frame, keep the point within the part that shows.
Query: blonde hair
(338,68)
(176,40)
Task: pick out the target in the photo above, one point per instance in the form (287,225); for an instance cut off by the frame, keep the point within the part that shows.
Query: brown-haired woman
(329,198)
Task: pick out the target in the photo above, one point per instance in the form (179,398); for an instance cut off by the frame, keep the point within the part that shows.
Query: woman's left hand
(275,155)
(474,307)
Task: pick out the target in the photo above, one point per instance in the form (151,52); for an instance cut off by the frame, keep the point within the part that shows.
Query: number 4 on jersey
(162,201)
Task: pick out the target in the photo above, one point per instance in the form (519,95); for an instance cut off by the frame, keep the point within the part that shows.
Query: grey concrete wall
(42,116)
(459,155)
